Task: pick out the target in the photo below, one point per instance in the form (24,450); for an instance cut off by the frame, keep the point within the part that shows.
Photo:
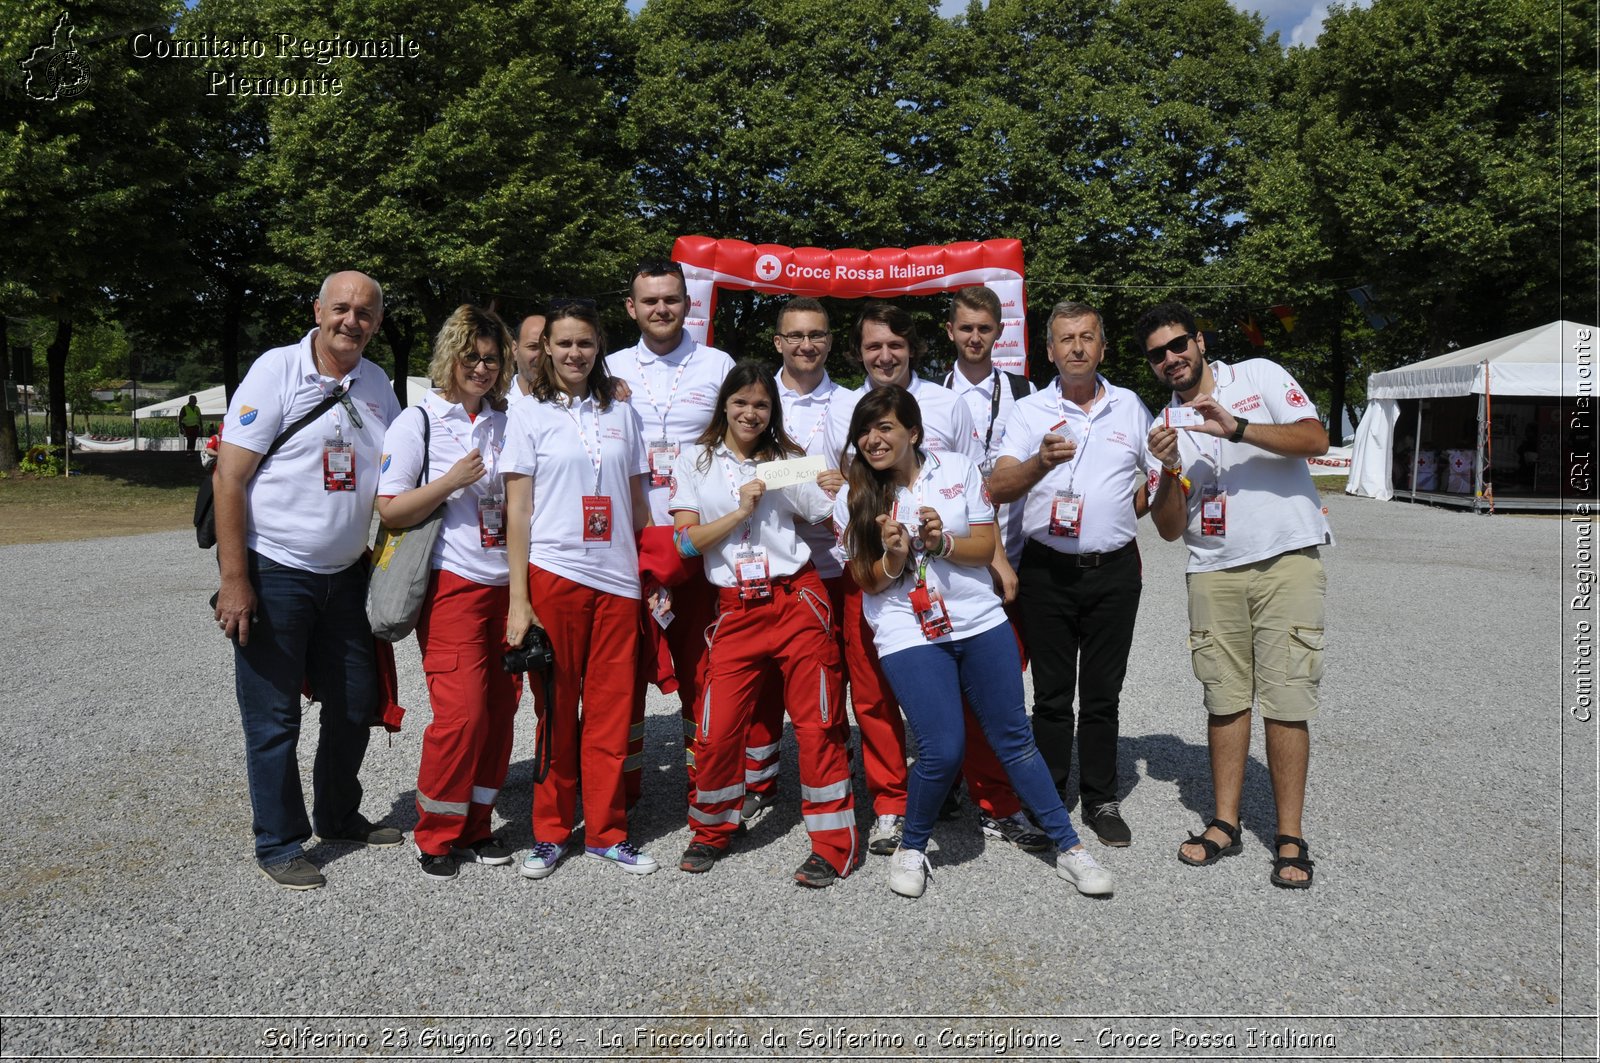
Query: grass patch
(1331,485)
(108,494)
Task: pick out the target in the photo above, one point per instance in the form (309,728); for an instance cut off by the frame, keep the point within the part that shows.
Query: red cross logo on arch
(768,267)
(1296,397)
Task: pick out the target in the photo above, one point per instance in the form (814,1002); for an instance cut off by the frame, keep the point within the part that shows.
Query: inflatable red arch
(849,273)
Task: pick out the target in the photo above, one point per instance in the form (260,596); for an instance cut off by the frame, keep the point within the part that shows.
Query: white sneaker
(908,872)
(542,860)
(1081,869)
(884,837)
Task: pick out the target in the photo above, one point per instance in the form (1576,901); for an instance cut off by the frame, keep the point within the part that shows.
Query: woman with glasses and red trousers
(919,534)
(774,616)
(458,430)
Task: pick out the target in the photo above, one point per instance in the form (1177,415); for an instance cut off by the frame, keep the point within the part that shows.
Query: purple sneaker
(626,856)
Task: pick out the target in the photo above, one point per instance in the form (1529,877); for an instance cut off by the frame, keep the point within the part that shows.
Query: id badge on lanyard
(932,616)
(1066,514)
(753,573)
(663,454)
(338,464)
(492,521)
(1213,511)
(596,522)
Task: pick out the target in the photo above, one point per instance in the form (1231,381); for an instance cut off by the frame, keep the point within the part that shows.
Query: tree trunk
(8,417)
(232,312)
(56,366)
(400,344)
(1336,379)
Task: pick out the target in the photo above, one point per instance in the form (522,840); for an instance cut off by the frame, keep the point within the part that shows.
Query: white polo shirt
(951,484)
(1110,464)
(557,446)
(675,395)
(805,418)
(451,434)
(946,424)
(1272,504)
(289,515)
(514,393)
(713,491)
(989,421)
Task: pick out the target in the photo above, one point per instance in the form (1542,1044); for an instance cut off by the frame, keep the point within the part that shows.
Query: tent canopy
(1540,362)
(213,402)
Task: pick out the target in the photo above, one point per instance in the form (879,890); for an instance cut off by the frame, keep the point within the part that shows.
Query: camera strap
(544,745)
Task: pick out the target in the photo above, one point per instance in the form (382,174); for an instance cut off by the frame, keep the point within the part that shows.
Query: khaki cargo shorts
(1256,635)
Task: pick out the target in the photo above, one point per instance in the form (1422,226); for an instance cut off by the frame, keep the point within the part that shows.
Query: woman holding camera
(458,430)
(574,467)
(774,615)
(919,533)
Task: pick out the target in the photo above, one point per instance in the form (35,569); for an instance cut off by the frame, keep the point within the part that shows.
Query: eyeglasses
(1176,345)
(472,361)
(795,339)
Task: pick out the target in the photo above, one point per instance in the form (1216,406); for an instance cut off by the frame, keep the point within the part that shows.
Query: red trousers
(765,735)
(883,729)
(466,749)
(794,631)
(694,608)
(595,637)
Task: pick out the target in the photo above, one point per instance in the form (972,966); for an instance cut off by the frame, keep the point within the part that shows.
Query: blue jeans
(308,626)
(929,682)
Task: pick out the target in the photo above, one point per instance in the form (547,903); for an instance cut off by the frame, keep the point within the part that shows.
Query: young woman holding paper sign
(919,534)
(773,611)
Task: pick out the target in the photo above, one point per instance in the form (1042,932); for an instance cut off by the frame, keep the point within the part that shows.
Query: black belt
(1085,560)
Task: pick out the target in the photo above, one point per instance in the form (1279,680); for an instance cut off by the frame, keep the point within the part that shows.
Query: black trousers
(1078,626)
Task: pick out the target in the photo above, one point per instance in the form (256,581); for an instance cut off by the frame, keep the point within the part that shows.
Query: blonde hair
(459,337)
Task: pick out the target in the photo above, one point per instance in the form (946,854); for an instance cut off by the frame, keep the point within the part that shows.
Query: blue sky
(1296,21)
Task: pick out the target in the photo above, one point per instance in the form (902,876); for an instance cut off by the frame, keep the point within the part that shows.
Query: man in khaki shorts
(1236,487)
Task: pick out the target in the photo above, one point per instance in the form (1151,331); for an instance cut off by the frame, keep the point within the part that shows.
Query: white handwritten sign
(788,473)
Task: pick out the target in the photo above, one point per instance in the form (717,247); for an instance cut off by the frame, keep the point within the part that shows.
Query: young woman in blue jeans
(919,533)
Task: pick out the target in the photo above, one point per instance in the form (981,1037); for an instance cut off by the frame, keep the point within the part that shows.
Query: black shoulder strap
(1019,386)
(316,411)
(427,441)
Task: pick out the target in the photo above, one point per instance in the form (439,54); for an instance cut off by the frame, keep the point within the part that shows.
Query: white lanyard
(492,471)
(724,461)
(596,456)
(1088,434)
(650,392)
(822,419)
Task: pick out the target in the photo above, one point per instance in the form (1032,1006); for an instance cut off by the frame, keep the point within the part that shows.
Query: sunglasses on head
(1176,345)
(655,267)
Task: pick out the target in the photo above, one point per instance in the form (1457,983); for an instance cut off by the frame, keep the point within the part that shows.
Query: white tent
(213,402)
(1542,362)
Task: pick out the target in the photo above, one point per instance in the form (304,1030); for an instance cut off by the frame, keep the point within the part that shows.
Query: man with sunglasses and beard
(1233,444)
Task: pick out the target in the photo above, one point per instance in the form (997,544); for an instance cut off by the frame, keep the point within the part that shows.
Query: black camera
(533,655)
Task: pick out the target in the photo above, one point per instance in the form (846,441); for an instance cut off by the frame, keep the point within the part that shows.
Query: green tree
(84,171)
(1113,137)
(483,169)
(797,122)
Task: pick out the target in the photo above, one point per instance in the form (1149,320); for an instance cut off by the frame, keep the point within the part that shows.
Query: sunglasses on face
(1176,345)
(472,361)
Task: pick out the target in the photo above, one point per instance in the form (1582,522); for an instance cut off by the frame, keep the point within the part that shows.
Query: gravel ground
(1436,808)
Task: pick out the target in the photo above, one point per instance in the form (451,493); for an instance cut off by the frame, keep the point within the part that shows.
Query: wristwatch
(1238,430)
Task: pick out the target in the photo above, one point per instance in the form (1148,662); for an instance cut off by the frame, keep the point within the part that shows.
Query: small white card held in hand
(778,474)
(1183,417)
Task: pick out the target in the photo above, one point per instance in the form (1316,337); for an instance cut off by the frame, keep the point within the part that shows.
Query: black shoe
(699,858)
(1107,823)
(361,831)
(438,868)
(951,809)
(816,873)
(485,851)
(756,806)
(294,874)
(1015,829)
